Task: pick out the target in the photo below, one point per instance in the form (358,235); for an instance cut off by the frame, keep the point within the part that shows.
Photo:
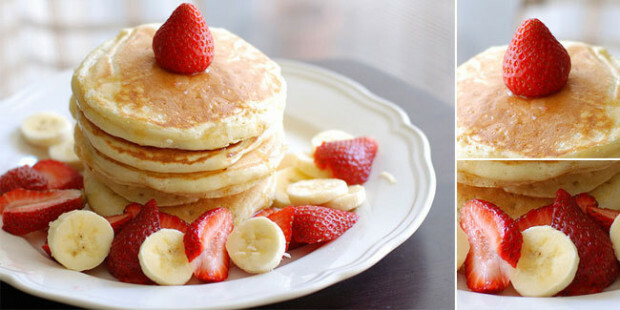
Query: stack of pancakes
(194,142)
(519,186)
(580,121)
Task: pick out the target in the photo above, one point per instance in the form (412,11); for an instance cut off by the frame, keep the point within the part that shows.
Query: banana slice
(288,161)
(80,240)
(316,191)
(354,198)
(305,164)
(614,235)
(548,262)
(257,245)
(64,151)
(45,128)
(102,199)
(328,136)
(285,177)
(163,260)
(462,246)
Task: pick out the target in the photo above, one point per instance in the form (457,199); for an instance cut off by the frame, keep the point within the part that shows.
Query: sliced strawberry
(173,222)
(22,177)
(26,211)
(123,262)
(118,221)
(349,160)
(313,224)
(598,267)
(284,218)
(603,216)
(585,200)
(536,217)
(46,249)
(495,242)
(59,175)
(133,209)
(205,244)
(266,212)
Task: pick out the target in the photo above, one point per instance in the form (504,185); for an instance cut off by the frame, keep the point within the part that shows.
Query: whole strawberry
(313,224)
(184,44)
(22,177)
(535,64)
(598,267)
(349,160)
(123,262)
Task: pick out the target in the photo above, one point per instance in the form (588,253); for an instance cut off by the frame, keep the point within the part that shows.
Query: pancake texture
(120,88)
(582,120)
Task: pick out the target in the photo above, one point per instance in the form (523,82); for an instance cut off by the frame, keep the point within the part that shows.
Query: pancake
(498,173)
(121,90)
(144,194)
(242,205)
(168,160)
(608,194)
(255,165)
(138,194)
(573,183)
(581,120)
(514,205)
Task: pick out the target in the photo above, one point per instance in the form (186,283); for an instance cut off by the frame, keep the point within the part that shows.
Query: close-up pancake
(515,172)
(254,165)
(120,88)
(581,120)
(168,160)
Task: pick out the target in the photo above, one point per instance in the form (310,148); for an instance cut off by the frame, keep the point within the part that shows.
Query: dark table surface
(419,274)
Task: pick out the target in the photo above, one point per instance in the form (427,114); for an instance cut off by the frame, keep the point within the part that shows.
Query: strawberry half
(59,175)
(173,222)
(349,160)
(184,44)
(584,201)
(598,267)
(284,218)
(205,244)
(123,262)
(536,217)
(26,211)
(118,221)
(22,177)
(535,64)
(603,216)
(495,242)
(313,224)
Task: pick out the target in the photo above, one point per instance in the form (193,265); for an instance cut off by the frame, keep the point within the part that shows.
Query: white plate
(318,100)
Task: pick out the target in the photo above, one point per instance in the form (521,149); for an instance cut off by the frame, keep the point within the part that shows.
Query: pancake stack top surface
(192,142)
(581,120)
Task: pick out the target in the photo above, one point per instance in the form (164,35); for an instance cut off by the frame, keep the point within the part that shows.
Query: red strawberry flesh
(184,44)
(535,64)
(536,217)
(350,160)
(22,177)
(314,224)
(59,175)
(26,211)
(284,218)
(603,216)
(205,244)
(584,201)
(123,262)
(598,267)
(495,242)
(173,222)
